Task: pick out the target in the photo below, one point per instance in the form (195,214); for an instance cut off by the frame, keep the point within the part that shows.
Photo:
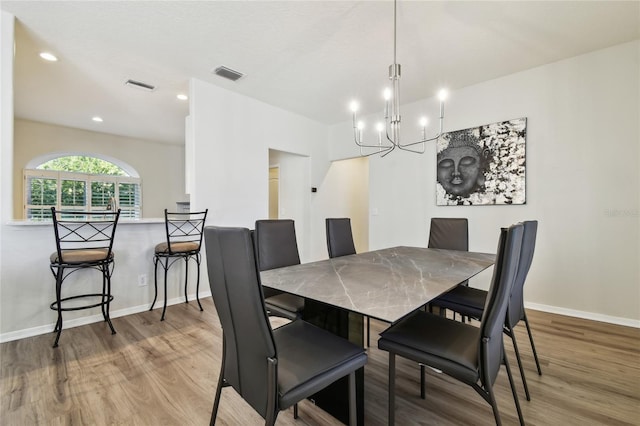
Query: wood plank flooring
(165,373)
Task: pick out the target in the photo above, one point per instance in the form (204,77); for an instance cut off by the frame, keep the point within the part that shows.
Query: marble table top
(384,284)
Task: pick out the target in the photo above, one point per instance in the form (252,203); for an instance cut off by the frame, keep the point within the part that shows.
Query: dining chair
(183,240)
(276,247)
(340,243)
(84,240)
(449,233)
(467,353)
(469,301)
(270,369)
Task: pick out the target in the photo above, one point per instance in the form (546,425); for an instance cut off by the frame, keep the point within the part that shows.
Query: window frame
(134,212)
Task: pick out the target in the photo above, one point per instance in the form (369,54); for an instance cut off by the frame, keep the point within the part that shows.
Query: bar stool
(83,240)
(184,239)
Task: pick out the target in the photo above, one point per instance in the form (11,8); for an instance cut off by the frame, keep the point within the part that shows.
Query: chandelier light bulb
(360,125)
(442,95)
(353,106)
(379,127)
(386,94)
(424,121)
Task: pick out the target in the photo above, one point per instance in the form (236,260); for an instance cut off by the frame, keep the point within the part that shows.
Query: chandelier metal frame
(392,117)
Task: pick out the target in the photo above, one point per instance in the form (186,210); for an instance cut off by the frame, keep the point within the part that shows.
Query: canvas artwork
(483,165)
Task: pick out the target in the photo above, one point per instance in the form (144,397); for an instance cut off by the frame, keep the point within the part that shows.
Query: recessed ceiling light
(97,119)
(182,97)
(48,56)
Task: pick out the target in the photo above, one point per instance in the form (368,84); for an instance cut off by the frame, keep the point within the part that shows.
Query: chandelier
(391,125)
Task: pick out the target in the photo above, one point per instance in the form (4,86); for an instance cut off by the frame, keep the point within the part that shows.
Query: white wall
(583,182)
(160,165)
(28,287)
(344,193)
(232,135)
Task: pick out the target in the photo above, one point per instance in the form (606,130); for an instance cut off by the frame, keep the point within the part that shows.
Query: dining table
(386,284)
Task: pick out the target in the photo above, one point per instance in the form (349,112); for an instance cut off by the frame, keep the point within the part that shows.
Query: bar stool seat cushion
(177,247)
(81,256)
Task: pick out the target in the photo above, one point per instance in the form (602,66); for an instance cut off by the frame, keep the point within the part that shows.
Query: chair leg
(392,389)
(164,308)
(108,301)
(216,401)
(533,346)
(104,291)
(155,281)
(517,352)
(422,386)
(186,277)
(368,332)
(295,411)
(513,389)
(198,282)
(58,326)
(494,404)
(353,415)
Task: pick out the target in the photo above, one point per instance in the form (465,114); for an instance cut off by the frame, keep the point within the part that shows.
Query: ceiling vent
(228,73)
(140,85)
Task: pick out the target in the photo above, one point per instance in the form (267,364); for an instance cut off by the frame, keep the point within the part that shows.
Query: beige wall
(160,165)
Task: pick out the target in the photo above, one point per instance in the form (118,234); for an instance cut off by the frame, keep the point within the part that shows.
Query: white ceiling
(308,57)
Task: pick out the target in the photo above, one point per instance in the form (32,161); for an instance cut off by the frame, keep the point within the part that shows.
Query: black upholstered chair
(270,369)
(276,247)
(470,354)
(183,241)
(83,240)
(449,233)
(469,301)
(339,237)
(340,243)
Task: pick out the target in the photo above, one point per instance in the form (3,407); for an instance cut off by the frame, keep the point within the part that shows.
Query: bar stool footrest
(104,300)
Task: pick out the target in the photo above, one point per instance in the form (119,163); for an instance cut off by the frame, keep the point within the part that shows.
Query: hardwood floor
(165,373)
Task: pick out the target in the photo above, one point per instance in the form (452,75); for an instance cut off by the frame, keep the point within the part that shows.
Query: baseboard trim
(628,322)
(77,322)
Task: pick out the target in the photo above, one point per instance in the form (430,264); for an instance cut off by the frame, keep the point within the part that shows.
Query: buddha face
(460,170)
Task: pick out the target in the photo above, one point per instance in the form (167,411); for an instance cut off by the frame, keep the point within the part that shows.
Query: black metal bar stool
(83,240)
(184,239)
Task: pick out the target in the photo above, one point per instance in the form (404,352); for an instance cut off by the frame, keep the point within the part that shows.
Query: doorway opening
(274,192)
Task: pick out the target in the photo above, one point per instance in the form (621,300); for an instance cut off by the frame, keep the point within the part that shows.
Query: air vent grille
(140,85)
(228,73)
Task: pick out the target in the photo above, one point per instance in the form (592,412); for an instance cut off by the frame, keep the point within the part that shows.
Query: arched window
(80,182)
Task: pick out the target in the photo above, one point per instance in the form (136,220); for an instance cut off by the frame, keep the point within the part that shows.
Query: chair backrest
(81,231)
(495,308)
(184,227)
(339,237)
(237,295)
(449,233)
(515,311)
(275,243)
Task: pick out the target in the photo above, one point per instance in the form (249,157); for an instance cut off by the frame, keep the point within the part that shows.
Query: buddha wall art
(482,165)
